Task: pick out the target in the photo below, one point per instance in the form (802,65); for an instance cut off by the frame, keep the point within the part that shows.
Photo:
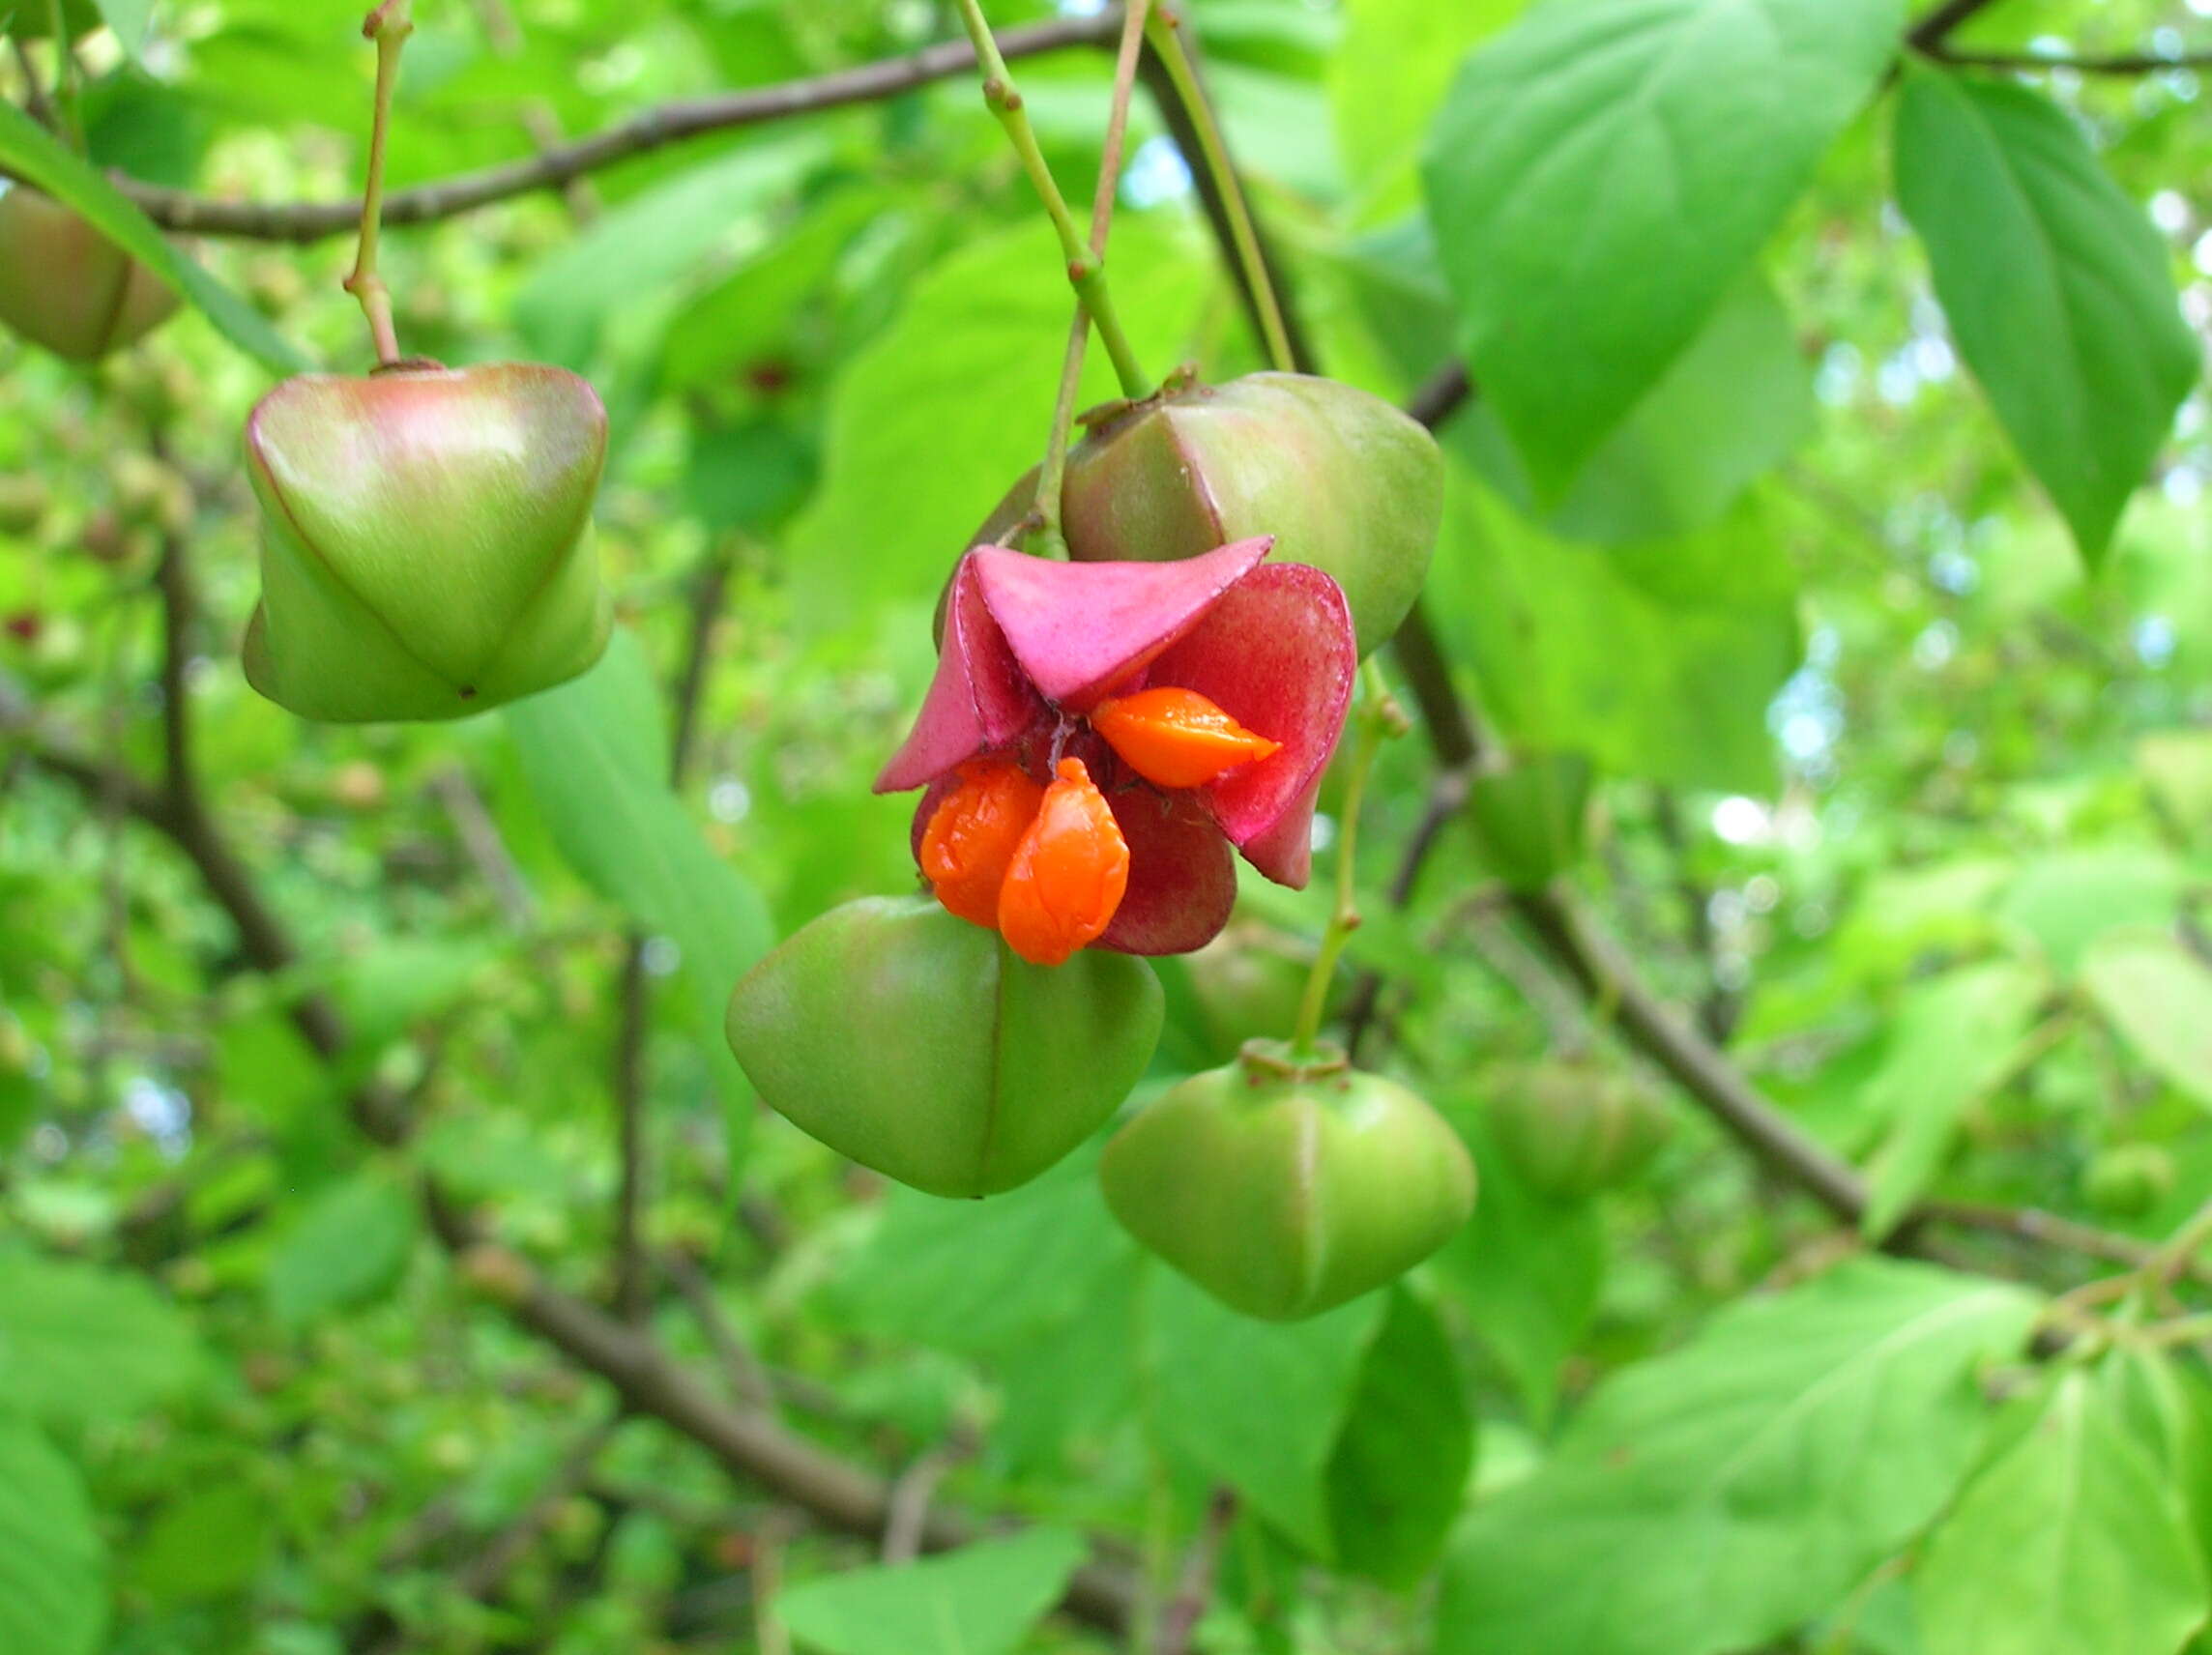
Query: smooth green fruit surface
(427,539)
(66,287)
(2129,1179)
(1286,1190)
(1340,479)
(923,1047)
(1534,817)
(1573,1128)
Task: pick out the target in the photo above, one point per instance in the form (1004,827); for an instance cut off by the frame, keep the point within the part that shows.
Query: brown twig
(2119,63)
(648,1379)
(1941,23)
(648,131)
(1195,1589)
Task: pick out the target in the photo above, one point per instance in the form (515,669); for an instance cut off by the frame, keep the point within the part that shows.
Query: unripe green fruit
(1534,817)
(1572,1127)
(2129,1179)
(65,286)
(1285,1188)
(1247,981)
(23,504)
(427,539)
(1340,479)
(34,19)
(923,1047)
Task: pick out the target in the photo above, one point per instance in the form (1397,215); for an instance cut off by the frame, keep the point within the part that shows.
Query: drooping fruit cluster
(66,287)
(427,539)
(1103,736)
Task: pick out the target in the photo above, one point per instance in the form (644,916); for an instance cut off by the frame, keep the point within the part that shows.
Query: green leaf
(2064,902)
(1656,660)
(1602,173)
(1716,1497)
(984,1277)
(981,1600)
(2068,1544)
(33,154)
(595,756)
(1258,1406)
(53,1570)
(1389,72)
(2166,1408)
(947,408)
(346,1248)
(1399,1470)
(1950,1041)
(2056,287)
(1528,1270)
(2158,996)
(208,1541)
(1730,408)
(80,1343)
(127,20)
(653,240)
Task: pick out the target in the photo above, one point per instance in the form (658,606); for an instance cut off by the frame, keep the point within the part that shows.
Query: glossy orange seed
(972,835)
(1069,872)
(1176,737)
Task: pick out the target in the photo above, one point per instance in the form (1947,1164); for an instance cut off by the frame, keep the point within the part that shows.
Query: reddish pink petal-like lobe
(1081,631)
(980,698)
(1284,853)
(1183,878)
(1276,653)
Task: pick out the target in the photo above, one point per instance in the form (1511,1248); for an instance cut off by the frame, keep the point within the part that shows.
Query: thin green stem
(1165,32)
(388,26)
(1086,269)
(2179,1250)
(1053,473)
(1379,718)
(65,88)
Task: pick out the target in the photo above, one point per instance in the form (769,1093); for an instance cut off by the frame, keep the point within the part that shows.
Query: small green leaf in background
(1658,660)
(53,1571)
(80,1343)
(1716,1497)
(1951,1039)
(347,1247)
(2055,283)
(2068,1544)
(2177,767)
(1400,1469)
(981,1277)
(206,1542)
(1527,1271)
(1258,1406)
(1731,407)
(981,1600)
(945,409)
(2158,996)
(1601,174)
(126,19)
(596,755)
(1388,74)
(2065,901)
(32,153)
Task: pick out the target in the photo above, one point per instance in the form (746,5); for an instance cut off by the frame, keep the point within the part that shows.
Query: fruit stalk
(1380,715)
(1054,470)
(1086,269)
(388,26)
(1165,33)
